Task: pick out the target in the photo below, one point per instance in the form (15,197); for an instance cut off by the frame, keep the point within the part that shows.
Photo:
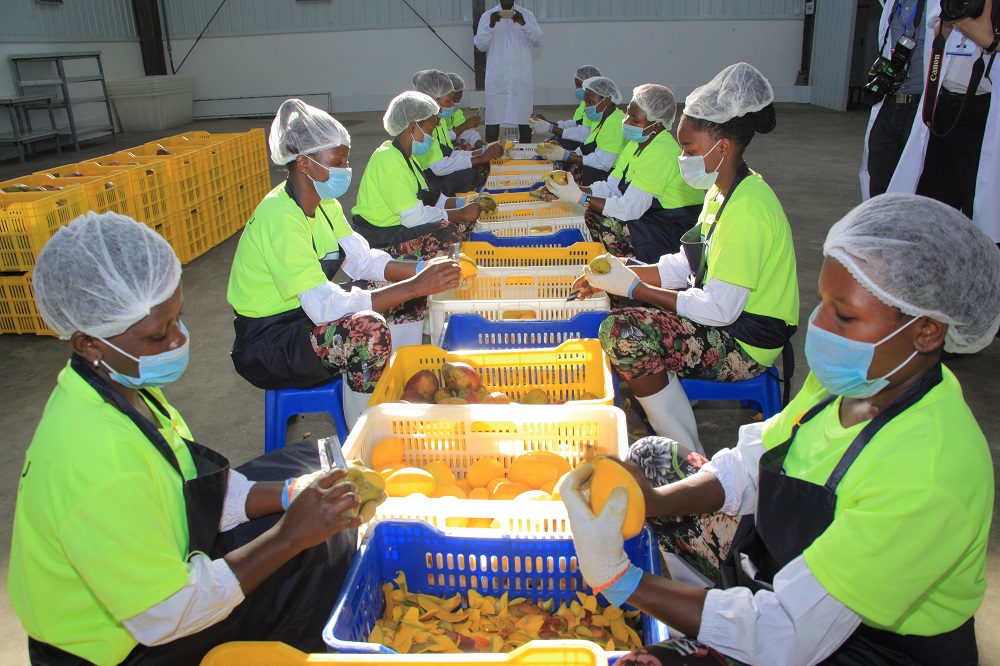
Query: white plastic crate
(526,292)
(533,227)
(514,180)
(534,210)
(523,151)
(461,434)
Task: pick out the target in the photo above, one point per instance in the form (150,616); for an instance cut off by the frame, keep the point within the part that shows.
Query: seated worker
(864,507)
(723,317)
(131,542)
(644,207)
(462,130)
(396,210)
(570,134)
(295,327)
(448,170)
(595,159)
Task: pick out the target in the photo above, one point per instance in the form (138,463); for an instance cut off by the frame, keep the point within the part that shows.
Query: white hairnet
(457,82)
(736,91)
(657,102)
(405,108)
(604,87)
(927,259)
(100,274)
(433,82)
(587,72)
(300,129)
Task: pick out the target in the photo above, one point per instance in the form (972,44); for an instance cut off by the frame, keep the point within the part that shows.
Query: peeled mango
(371,489)
(468,267)
(607,476)
(487,204)
(559,176)
(413,623)
(600,264)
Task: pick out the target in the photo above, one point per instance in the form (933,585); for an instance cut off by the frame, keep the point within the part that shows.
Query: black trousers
(493,133)
(886,141)
(952,161)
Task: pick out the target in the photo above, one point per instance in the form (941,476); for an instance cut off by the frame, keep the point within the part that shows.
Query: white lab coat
(509,85)
(911,163)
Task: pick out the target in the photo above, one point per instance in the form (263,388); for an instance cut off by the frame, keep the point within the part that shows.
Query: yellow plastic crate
(535,653)
(489,256)
(188,177)
(459,435)
(246,157)
(152,188)
(109,191)
(18,312)
(260,160)
(28,220)
(189,232)
(565,372)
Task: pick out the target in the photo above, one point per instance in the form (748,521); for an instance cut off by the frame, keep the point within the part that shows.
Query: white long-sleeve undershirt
(625,207)
(457,161)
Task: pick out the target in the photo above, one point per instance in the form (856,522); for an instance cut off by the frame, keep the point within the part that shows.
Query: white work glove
(539,125)
(295,485)
(600,547)
(551,151)
(570,192)
(621,281)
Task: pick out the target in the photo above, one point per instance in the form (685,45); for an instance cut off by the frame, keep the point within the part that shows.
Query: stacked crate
(195,189)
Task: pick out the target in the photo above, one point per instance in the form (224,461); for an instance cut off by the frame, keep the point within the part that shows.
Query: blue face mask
(579,93)
(447,112)
(154,371)
(693,169)
(335,185)
(592,113)
(633,133)
(421,147)
(841,365)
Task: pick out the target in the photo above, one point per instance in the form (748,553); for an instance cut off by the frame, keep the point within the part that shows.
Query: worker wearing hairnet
(295,326)
(131,542)
(396,210)
(570,134)
(448,170)
(595,159)
(724,307)
(507,33)
(462,130)
(644,206)
(864,507)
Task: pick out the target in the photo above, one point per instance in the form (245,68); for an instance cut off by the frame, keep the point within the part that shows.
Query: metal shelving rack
(62,82)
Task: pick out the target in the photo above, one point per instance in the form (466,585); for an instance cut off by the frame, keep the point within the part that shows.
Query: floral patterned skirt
(701,541)
(643,341)
(432,243)
(610,231)
(357,345)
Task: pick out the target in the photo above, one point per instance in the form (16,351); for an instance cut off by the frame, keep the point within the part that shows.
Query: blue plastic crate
(561,238)
(537,568)
(513,190)
(473,331)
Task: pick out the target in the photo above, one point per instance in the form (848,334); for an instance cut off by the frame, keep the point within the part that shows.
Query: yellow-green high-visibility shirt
(435,154)
(388,187)
(278,255)
(752,248)
(581,117)
(907,547)
(608,134)
(100,528)
(655,170)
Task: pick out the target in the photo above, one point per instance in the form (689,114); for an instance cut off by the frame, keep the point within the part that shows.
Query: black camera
(887,75)
(956,10)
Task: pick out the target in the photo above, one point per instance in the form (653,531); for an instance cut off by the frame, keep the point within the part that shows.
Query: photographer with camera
(953,150)
(895,84)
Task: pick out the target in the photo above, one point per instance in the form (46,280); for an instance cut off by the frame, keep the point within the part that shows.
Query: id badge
(965,47)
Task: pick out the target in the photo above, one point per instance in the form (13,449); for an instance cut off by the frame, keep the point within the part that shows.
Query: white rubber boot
(354,405)
(670,414)
(406,335)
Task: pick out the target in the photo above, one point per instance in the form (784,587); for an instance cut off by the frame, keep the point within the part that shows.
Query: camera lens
(956,10)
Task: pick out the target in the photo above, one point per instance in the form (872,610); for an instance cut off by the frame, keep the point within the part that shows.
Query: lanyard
(741,174)
(409,161)
(913,15)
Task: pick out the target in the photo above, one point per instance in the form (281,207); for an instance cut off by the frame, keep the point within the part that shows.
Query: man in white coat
(946,167)
(507,34)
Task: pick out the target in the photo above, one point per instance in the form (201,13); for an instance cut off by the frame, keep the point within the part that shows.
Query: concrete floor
(811,160)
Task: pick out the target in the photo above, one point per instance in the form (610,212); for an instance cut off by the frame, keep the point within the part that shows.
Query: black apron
(381,237)
(658,231)
(792,513)
(276,352)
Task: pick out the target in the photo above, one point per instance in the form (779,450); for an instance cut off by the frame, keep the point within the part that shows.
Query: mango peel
(559,176)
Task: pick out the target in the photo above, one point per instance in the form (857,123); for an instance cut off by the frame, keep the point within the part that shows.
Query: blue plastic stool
(762,392)
(283,404)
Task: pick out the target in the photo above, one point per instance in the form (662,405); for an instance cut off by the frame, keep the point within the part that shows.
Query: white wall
(364,69)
